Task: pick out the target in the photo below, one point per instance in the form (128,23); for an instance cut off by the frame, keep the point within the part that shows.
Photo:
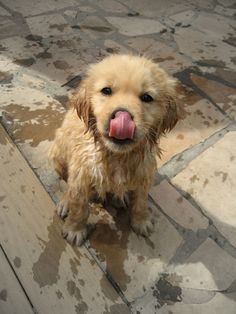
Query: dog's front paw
(74,237)
(143,227)
(62,209)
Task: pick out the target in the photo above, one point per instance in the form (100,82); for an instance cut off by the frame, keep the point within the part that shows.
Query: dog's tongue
(122,126)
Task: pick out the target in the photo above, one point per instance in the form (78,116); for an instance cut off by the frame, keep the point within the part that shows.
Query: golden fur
(90,162)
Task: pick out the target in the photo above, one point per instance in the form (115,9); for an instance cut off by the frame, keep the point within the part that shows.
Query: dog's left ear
(80,101)
(172,114)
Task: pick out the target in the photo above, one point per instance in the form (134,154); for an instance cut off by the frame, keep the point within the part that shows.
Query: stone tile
(154,9)
(199,302)
(208,268)
(112,6)
(214,24)
(225,11)
(17,52)
(185,17)
(202,120)
(8,28)
(166,56)
(31,117)
(204,47)
(224,96)
(28,7)
(135,26)
(95,27)
(210,180)
(4,12)
(114,47)
(226,3)
(49,25)
(134,262)
(177,207)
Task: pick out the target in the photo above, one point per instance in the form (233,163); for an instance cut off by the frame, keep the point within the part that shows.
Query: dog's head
(127,101)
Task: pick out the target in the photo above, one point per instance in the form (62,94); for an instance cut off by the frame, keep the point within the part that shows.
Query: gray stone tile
(49,25)
(227,3)
(28,7)
(95,27)
(177,207)
(166,56)
(202,120)
(223,95)
(112,6)
(225,11)
(8,28)
(203,302)
(134,26)
(4,12)
(211,180)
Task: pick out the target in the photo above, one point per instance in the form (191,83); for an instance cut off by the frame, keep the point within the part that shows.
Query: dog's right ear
(80,101)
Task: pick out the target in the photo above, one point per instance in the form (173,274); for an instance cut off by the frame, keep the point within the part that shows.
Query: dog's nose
(120,110)
(121,125)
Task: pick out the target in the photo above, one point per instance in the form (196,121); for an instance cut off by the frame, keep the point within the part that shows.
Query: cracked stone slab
(112,6)
(225,11)
(4,12)
(202,120)
(49,25)
(166,56)
(95,27)
(135,26)
(222,95)
(114,47)
(226,3)
(210,181)
(158,9)
(177,207)
(202,46)
(8,28)
(208,268)
(193,301)
(28,7)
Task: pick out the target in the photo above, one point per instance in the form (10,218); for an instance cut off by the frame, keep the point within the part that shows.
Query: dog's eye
(146,98)
(106,91)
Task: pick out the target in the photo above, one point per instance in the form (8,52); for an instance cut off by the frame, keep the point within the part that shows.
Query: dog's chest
(115,177)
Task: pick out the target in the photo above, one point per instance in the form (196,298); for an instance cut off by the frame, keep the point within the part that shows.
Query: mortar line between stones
(107,274)
(18,279)
(180,161)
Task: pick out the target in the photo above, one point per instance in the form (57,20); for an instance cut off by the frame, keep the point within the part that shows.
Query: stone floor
(189,263)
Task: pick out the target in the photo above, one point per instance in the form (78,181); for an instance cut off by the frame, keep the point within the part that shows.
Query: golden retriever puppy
(108,141)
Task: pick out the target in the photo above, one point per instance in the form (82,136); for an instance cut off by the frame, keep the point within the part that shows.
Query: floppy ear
(172,112)
(80,101)
(171,117)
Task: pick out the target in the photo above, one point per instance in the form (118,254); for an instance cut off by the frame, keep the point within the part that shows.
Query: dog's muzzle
(121,126)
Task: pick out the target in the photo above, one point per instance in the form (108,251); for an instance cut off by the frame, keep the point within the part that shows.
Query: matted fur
(90,162)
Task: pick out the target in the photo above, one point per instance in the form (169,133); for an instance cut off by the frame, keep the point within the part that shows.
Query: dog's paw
(62,209)
(144,228)
(74,237)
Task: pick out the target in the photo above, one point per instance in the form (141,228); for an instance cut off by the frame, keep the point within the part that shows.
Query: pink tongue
(122,126)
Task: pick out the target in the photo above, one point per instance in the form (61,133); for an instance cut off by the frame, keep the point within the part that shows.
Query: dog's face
(126,101)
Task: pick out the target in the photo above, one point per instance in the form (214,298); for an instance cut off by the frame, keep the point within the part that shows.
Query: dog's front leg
(75,206)
(141,219)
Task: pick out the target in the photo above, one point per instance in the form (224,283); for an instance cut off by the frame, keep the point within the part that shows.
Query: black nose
(120,109)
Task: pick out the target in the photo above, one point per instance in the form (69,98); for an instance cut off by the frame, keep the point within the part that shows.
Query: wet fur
(83,154)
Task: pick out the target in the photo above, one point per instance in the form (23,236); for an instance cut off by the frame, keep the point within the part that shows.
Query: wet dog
(109,139)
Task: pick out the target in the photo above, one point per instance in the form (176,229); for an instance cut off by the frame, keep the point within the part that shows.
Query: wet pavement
(189,263)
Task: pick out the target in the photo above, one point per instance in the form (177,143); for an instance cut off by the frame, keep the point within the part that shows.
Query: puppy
(109,139)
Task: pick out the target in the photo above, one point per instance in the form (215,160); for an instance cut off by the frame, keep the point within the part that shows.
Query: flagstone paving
(188,263)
